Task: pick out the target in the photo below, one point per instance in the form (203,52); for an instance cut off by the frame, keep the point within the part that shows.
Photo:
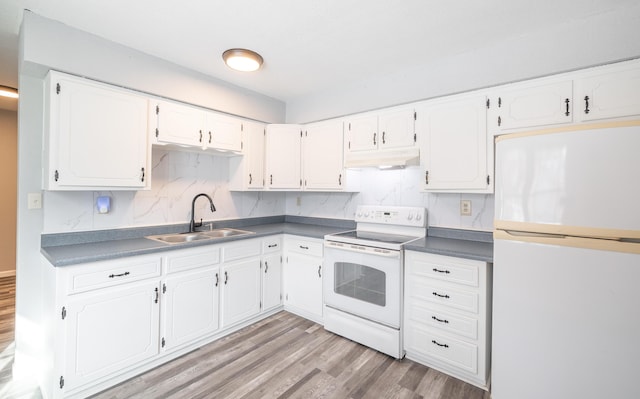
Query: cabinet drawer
(271,244)
(305,246)
(445,268)
(241,249)
(443,294)
(444,348)
(193,258)
(435,317)
(91,276)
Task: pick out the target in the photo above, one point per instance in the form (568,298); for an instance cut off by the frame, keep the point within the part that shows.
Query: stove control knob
(359,214)
(410,217)
(418,216)
(366,214)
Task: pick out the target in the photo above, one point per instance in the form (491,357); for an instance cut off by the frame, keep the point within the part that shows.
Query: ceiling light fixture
(10,92)
(243,60)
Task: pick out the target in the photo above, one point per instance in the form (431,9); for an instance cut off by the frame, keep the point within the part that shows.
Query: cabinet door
(189,306)
(611,95)
(303,285)
(240,290)
(531,106)
(223,132)
(455,147)
(108,330)
(322,156)
(271,281)
(362,133)
(396,128)
(97,136)
(283,157)
(179,124)
(254,154)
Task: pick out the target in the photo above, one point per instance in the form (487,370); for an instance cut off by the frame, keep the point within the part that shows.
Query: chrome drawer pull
(440,295)
(439,344)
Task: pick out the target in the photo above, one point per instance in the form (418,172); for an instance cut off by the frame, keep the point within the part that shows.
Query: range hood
(383,159)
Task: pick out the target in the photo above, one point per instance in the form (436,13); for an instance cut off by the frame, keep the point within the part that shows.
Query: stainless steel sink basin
(219,233)
(179,238)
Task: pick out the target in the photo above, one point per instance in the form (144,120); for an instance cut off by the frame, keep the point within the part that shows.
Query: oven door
(364,281)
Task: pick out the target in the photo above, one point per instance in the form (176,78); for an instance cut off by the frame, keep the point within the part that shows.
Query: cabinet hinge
(264,132)
(163,342)
(300,133)
(58,92)
(349,126)
(61,382)
(157,109)
(499,102)
(242,127)
(164,288)
(415,137)
(157,132)
(415,116)
(488,179)
(281,262)
(499,121)
(488,103)
(142,174)
(426,177)
(260,305)
(287,297)
(280,297)
(349,145)
(63,313)
(242,145)
(56,175)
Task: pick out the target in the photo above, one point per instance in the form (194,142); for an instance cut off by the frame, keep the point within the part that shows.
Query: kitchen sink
(219,233)
(179,238)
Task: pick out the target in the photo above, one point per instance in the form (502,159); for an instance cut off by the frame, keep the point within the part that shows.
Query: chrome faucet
(193,224)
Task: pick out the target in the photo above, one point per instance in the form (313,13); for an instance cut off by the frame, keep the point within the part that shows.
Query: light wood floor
(284,356)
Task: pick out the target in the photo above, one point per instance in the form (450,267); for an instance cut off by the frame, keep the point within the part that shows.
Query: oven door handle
(389,253)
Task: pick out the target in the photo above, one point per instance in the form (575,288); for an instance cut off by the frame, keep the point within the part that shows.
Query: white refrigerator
(566,273)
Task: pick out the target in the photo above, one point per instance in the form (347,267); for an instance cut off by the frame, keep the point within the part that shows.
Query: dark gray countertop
(75,248)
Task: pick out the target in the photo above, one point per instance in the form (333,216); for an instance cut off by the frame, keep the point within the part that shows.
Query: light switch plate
(34,201)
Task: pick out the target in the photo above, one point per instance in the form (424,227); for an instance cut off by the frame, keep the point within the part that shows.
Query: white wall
(600,39)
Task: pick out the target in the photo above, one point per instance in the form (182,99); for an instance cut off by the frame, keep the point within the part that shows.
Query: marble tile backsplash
(178,176)
(396,187)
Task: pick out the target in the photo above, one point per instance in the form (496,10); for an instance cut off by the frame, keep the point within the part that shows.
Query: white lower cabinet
(240,290)
(189,306)
(112,320)
(108,330)
(447,315)
(303,277)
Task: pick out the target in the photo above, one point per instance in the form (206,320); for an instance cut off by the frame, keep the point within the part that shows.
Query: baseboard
(7,273)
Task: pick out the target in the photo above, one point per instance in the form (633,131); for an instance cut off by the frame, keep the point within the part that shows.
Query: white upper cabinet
(322,155)
(531,105)
(396,128)
(188,126)
(386,129)
(247,172)
(614,94)
(176,123)
(223,132)
(283,157)
(457,154)
(95,136)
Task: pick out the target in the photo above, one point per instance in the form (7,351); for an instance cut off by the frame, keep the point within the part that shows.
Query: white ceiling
(308,45)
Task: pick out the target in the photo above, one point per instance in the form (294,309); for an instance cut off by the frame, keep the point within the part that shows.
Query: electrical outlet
(465,207)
